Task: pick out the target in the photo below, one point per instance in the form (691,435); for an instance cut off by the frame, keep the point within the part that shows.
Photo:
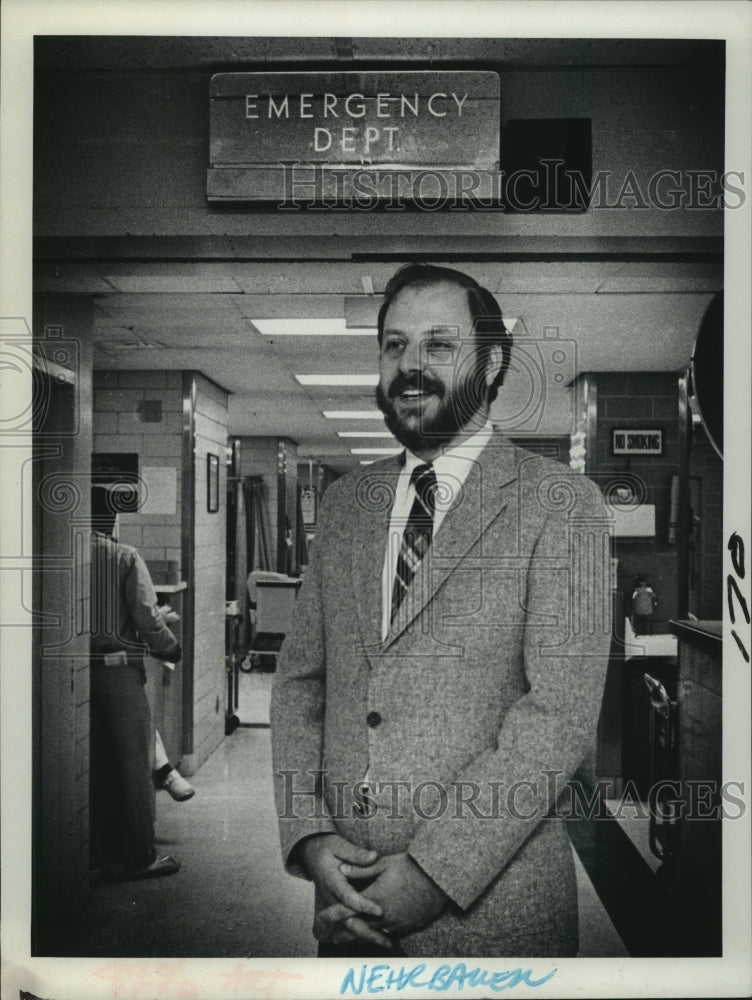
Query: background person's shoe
(177,786)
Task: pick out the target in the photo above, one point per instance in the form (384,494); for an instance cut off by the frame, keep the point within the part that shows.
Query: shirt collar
(455,461)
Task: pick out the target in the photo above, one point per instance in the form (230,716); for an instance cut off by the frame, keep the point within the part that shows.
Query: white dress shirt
(452,469)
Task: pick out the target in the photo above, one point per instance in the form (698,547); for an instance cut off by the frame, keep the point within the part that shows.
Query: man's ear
(494,362)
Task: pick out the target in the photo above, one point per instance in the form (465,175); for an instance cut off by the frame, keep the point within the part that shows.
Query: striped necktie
(417,535)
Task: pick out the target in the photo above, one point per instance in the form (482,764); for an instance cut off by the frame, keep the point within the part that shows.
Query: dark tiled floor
(231,896)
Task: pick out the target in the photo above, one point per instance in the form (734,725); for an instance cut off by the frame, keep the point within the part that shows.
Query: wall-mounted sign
(637,441)
(351,121)
(212,483)
(160,488)
(308,506)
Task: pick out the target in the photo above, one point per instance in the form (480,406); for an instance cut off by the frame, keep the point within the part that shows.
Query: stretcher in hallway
(272,600)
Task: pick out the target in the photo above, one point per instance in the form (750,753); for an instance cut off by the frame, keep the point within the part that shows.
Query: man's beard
(455,411)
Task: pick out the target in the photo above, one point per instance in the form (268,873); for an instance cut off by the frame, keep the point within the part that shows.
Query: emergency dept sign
(348,121)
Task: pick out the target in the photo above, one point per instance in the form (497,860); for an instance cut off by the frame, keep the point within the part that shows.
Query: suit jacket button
(373,719)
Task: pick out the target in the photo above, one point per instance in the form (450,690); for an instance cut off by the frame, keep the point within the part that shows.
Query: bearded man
(444,674)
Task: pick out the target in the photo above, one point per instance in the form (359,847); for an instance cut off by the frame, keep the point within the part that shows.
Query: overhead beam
(278,249)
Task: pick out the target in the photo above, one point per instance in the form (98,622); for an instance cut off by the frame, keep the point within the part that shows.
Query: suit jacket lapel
(374,499)
(479,503)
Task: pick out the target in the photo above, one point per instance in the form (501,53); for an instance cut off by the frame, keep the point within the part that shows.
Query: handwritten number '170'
(736,547)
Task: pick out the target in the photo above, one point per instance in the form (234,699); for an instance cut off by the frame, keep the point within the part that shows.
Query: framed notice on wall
(637,441)
(308,506)
(212,483)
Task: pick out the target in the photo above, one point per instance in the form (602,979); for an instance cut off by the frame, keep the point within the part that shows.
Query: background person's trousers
(122,746)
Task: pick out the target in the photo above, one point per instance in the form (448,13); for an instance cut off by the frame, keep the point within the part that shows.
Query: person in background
(125,625)
(166,775)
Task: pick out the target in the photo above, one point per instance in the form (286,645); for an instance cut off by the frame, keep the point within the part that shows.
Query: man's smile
(412,403)
(411,392)
(414,395)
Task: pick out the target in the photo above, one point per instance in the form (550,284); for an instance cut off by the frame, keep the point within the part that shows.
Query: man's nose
(412,358)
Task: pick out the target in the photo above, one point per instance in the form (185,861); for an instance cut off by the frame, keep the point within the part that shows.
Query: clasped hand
(400,898)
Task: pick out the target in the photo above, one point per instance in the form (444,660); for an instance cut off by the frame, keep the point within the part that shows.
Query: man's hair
(488,323)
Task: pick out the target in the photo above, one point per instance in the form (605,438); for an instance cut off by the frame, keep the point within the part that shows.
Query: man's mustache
(423,383)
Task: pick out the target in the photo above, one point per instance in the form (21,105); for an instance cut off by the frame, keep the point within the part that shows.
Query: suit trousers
(122,747)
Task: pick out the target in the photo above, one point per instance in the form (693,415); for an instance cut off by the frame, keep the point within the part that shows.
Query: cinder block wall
(707,468)
(633,400)
(119,426)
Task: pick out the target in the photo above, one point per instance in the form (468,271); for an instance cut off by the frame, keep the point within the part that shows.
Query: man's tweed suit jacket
(495,679)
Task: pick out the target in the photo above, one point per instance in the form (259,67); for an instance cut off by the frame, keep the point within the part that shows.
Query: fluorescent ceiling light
(370,380)
(365,434)
(353,414)
(333,326)
(375,451)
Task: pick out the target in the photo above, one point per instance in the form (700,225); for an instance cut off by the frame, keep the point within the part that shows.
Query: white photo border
(222,979)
